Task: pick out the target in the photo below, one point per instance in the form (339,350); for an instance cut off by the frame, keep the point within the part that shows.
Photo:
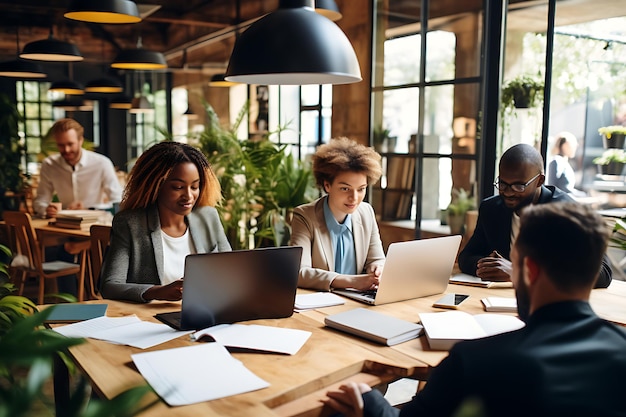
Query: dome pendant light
(21,68)
(104,11)
(51,50)
(293,46)
(328,8)
(139,59)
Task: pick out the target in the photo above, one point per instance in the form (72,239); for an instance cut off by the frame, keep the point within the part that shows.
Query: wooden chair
(100,238)
(27,244)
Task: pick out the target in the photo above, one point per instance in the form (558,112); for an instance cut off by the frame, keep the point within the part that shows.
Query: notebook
(227,287)
(413,269)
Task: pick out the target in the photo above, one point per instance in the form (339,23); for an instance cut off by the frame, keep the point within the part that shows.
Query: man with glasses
(520,183)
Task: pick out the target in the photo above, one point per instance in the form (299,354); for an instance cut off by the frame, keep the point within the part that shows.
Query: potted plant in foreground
(611,162)
(613,136)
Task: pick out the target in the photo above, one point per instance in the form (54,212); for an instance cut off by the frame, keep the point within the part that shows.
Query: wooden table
(299,381)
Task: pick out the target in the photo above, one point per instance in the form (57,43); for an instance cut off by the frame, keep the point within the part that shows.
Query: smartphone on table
(452,300)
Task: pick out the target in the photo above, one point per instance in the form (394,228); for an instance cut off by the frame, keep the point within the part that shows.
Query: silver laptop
(227,287)
(413,269)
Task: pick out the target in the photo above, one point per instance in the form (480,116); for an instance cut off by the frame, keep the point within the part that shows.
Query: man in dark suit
(487,253)
(566,361)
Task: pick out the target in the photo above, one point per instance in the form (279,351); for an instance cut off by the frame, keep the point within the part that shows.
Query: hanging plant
(522,92)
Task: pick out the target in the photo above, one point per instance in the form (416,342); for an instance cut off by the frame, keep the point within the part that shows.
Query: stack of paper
(317,300)
(374,326)
(443,330)
(194,374)
(129,330)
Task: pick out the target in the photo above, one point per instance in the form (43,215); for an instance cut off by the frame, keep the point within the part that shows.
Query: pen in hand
(495,254)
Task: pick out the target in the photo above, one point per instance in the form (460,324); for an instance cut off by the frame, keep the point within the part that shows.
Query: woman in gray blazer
(167,212)
(338,232)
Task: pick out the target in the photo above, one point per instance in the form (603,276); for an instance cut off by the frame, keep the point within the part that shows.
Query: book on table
(500,304)
(76,219)
(374,326)
(472,281)
(445,329)
(73,312)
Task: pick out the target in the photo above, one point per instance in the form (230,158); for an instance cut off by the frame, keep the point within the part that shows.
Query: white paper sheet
(253,336)
(142,335)
(317,300)
(196,373)
(89,328)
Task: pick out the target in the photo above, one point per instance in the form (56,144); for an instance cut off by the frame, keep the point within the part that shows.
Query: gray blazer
(134,261)
(317,268)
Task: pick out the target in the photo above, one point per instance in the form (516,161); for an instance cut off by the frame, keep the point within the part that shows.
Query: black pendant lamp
(293,46)
(139,59)
(51,50)
(122,102)
(218,80)
(68,87)
(21,68)
(104,11)
(328,8)
(105,85)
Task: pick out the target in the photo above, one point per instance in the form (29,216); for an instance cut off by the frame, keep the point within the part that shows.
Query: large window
(34,104)
(425,107)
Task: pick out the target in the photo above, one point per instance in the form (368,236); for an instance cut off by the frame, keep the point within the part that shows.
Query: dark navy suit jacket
(565,362)
(493,232)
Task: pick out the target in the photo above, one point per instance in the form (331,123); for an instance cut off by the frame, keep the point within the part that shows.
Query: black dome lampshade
(104,11)
(218,80)
(21,69)
(328,8)
(139,59)
(121,102)
(68,87)
(105,85)
(51,50)
(293,46)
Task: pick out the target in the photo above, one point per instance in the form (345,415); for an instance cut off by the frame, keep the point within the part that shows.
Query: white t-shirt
(175,249)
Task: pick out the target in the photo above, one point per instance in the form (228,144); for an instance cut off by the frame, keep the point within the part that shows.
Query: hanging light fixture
(68,87)
(122,102)
(139,59)
(293,46)
(218,80)
(104,85)
(140,104)
(51,50)
(21,68)
(329,9)
(189,114)
(104,11)
(73,104)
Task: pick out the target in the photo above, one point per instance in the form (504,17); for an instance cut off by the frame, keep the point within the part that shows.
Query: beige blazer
(318,256)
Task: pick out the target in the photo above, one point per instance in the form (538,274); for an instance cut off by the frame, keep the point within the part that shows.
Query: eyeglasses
(517,187)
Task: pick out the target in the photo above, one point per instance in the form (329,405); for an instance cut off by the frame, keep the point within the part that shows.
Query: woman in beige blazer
(343,169)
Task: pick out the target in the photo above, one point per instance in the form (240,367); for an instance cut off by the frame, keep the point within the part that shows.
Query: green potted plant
(11,178)
(460,204)
(611,162)
(522,92)
(27,354)
(261,183)
(613,136)
(380,138)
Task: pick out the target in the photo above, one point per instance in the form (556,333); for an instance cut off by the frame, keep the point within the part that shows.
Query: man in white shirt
(80,178)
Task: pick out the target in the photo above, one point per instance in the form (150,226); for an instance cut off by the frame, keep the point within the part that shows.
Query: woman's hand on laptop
(361,282)
(170,292)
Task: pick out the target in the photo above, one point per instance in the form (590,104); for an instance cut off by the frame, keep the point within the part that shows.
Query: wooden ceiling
(204,30)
